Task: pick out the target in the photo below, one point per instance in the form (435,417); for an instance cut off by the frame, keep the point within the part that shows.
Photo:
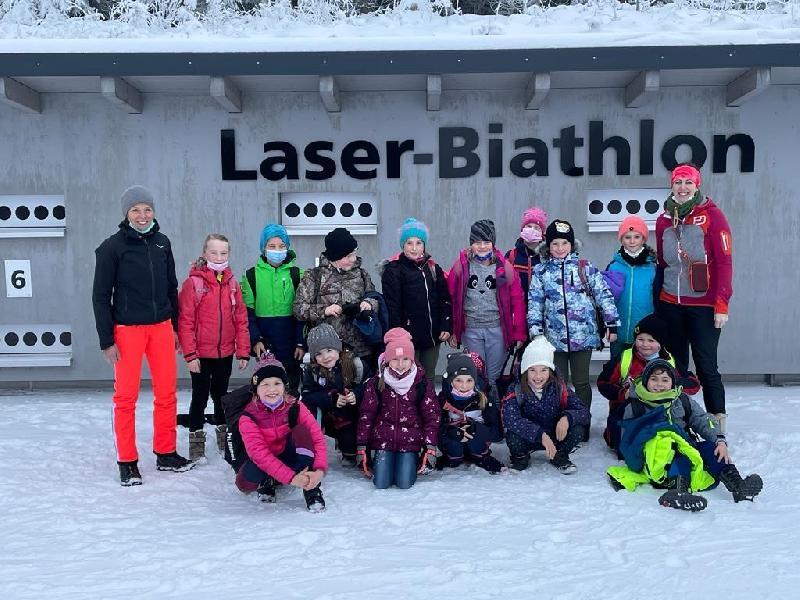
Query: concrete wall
(89,150)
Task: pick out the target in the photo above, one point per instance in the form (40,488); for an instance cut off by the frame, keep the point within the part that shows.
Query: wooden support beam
(748,85)
(536,91)
(225,92)
(642,88)
(123,94)
(20,96)
(329,91)
(434,91)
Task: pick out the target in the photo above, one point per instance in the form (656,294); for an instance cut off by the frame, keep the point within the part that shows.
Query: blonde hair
(348,366)
(215,236)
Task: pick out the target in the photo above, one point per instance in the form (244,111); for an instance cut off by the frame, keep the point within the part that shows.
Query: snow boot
(172,461)
(562,462)
(615,484)
(742,489)
(680,497)
(722,419)
(445,462)
(129,473)
(314,500)
(348,460)
(221,432)
(488,463)
(266,491)
(197,445)
(520,463)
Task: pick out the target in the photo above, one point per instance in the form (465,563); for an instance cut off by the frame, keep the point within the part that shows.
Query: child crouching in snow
(470,420)
(660,445)
(541,413)
(283,441)
(399,417)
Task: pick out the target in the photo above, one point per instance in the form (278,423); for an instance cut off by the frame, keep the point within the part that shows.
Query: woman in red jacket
(693,242)
(212,327)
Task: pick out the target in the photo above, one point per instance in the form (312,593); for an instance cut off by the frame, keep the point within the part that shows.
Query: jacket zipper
(219,339)
(428,299)
(630,299)
(564,298)
(152,281)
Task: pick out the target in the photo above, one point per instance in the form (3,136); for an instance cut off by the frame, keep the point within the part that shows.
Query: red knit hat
(685,172)
(398,344)
(632,223)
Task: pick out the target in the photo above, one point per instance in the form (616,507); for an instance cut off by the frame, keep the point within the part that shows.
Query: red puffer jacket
(212,318)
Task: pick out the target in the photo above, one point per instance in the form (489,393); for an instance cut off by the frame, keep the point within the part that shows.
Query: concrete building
(228,142)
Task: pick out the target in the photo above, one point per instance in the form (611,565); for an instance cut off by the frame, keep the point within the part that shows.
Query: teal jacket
(636,301)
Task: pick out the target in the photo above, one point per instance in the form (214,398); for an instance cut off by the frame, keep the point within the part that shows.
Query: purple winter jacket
(394,422)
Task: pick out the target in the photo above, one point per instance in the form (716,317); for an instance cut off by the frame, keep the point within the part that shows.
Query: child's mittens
(428,462)
(462,433)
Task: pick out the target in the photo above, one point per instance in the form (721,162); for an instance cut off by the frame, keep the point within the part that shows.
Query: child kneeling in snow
(399,417)
(283,441)
(470,420)
(542,413)
(660,445)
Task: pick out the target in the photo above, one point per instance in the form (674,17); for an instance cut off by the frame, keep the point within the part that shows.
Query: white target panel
(317,213)
(35,345)
(606,209)
(32,216)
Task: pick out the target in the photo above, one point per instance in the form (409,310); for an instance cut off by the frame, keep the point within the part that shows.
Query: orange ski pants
(157,343)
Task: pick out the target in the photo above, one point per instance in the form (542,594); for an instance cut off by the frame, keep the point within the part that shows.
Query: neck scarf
(680,211)
(402,383)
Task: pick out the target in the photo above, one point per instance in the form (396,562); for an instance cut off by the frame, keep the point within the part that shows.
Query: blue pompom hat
(413,228)
(270,231)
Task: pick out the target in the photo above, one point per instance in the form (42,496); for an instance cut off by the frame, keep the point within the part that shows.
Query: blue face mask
(486,256)
(276,257)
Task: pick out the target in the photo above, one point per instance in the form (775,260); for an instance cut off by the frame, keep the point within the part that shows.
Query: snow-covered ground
(411,24)
(68,530)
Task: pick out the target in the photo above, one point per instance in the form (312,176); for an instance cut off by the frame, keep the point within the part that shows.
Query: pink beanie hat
(398,344)
(632,223)
(534,215)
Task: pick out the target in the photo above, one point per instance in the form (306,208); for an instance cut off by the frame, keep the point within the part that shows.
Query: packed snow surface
(69,530)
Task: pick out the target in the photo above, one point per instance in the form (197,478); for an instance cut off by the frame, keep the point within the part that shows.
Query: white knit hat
(538,352)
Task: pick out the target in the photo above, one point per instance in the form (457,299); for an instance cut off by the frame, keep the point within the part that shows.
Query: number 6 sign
(18,279)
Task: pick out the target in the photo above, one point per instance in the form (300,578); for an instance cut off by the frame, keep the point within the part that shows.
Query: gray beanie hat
(323,336)
(136,194)
(482,231)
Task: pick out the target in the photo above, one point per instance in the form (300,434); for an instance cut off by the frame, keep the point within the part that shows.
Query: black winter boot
(742,489)
(266,491)
(172,461)
(520,463)
(682,498)
(488,463)
(314,500)
(129,473)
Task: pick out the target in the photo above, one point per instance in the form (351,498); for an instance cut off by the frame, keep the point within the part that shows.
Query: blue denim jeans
(683,466)
(398,468)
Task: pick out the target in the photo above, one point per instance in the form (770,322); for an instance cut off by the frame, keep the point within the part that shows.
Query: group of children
(383,411)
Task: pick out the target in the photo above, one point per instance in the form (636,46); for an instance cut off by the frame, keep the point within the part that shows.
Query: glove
(351,309)
(361,461)
(428,462)
(365,315)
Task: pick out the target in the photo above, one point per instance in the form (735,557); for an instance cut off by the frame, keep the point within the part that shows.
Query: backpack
(201,290)
(250,275)
(234,405)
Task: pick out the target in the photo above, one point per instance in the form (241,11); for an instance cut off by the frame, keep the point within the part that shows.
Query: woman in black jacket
(416,295)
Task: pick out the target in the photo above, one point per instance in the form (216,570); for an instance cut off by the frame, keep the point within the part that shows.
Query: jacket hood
(544,249)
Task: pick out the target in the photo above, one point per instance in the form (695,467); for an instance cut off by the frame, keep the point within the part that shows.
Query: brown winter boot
(197,445)
(222,437)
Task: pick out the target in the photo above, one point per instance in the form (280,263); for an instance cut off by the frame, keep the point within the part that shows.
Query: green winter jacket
(659,453)
(275,289)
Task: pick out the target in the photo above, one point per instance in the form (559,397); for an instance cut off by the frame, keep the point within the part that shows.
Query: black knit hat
(654,326)
(482,231)
(272,369)
(460,364)
(339,243)
(661,365)
(560,230)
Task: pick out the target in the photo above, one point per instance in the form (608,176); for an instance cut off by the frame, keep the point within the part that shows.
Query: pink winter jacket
(510,299)
(212,318)
(265,433)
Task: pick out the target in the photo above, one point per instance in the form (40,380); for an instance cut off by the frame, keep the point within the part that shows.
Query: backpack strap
(564,396)
(199,288)
(294,273)
(625,363)
(250,275)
